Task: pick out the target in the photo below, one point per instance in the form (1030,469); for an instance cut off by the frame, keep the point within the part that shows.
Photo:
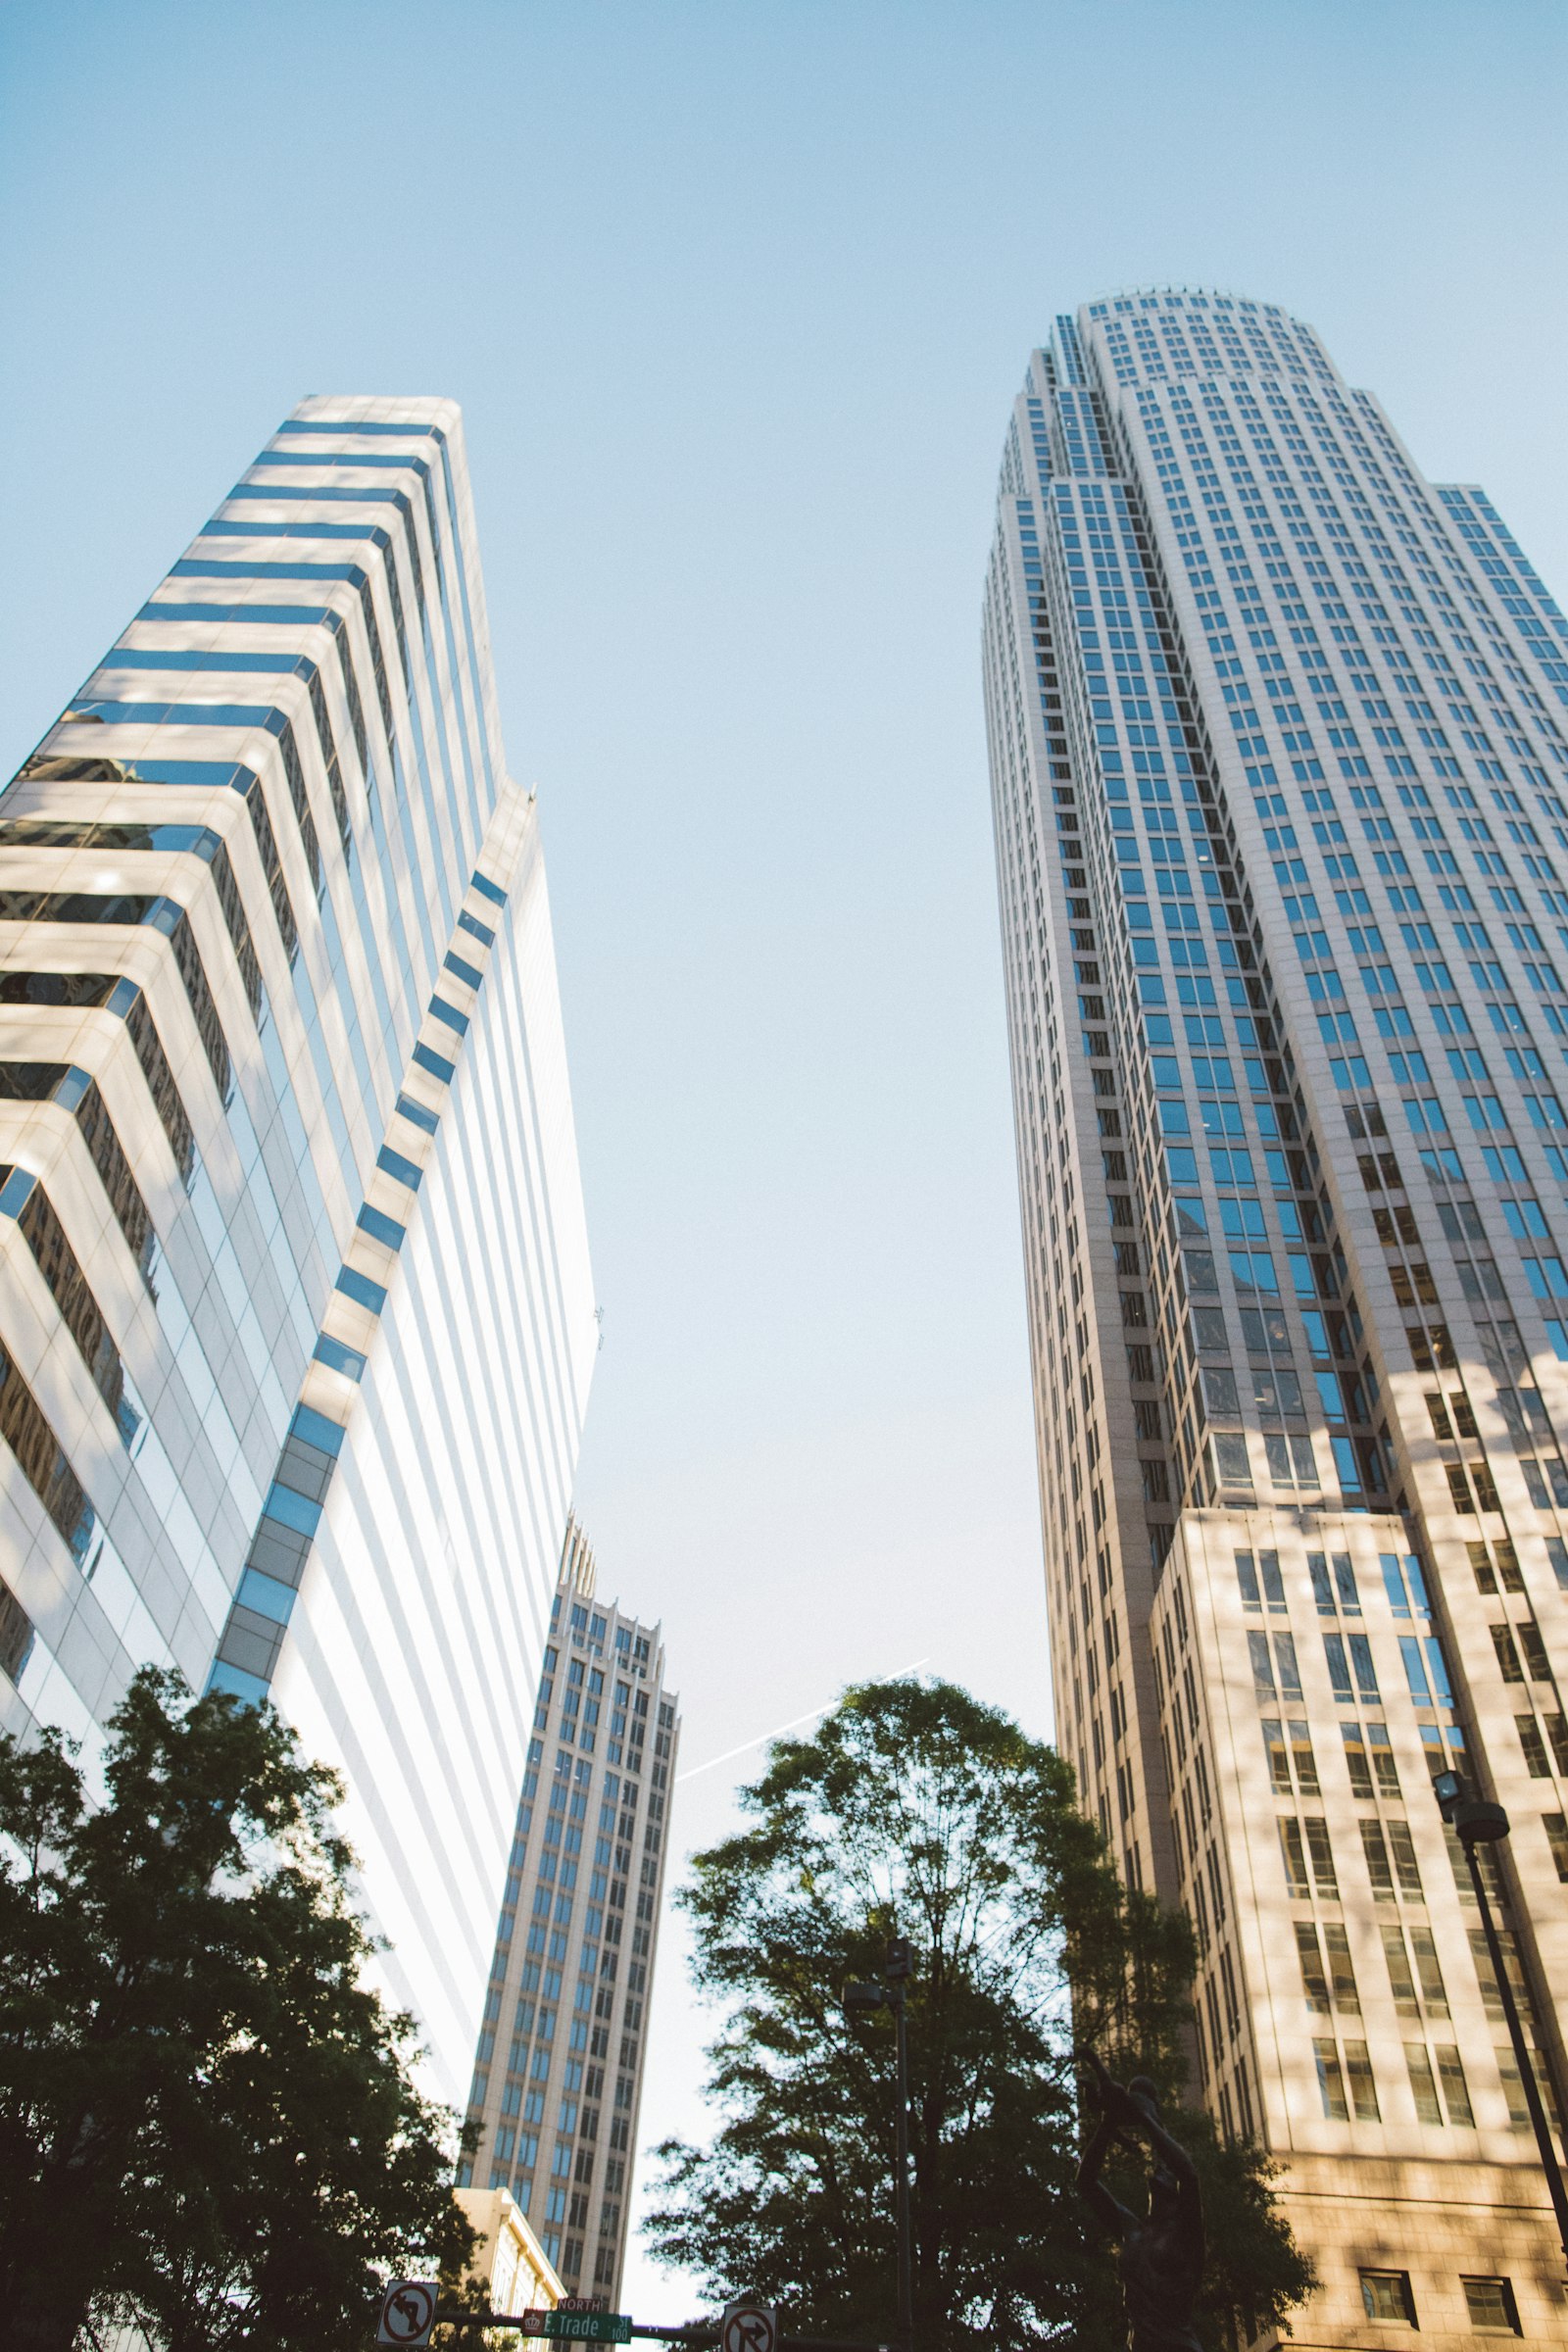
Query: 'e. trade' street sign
(579,2327)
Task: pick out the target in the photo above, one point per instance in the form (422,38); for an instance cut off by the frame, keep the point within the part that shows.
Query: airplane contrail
(810,1716)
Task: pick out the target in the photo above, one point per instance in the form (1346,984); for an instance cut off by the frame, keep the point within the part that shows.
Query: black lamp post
(860,1999)
(1479,1823)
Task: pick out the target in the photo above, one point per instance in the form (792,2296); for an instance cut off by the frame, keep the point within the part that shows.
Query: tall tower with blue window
(1279,755)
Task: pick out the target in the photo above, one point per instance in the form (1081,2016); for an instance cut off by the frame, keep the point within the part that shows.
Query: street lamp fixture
(861,1999)
(1476,1822)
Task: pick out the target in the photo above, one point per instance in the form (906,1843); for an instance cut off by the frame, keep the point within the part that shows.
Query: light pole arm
(1527,2073)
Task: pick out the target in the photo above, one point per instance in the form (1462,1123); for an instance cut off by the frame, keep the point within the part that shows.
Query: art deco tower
(1280,783)
(295,1303)
(559,2070)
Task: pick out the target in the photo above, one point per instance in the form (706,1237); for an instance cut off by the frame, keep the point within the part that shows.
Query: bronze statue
(1161,2254)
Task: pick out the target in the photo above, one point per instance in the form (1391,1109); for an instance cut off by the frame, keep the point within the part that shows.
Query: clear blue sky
(736,298)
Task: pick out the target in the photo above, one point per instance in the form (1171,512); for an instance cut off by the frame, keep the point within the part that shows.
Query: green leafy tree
(919,1812)
(208,2124)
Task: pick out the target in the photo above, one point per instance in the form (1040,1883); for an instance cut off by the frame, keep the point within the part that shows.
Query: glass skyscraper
(558,2068)
(1278,750)
(295,1304)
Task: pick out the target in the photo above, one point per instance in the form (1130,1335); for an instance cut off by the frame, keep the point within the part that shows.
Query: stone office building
(1280,780)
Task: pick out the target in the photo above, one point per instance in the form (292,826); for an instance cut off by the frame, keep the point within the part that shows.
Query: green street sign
(586,2326)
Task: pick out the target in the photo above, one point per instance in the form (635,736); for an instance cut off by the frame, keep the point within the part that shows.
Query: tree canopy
(207,2121)
(918,1812)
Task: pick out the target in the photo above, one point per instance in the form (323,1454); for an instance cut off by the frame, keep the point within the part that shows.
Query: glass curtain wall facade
(1280,787)
(559,2070)
(295,1302)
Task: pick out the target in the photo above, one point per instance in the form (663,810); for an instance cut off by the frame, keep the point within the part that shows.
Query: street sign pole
(898,1968)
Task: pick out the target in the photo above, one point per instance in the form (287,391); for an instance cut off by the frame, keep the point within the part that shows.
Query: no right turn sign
(749,2327)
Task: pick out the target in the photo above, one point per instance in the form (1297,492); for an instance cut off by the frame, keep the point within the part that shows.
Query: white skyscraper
(1280,770)
(295,1299)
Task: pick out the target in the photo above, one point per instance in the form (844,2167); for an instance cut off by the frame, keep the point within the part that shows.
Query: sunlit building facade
(558,2070)
(295,1299)
(1278,750)
(509,2261)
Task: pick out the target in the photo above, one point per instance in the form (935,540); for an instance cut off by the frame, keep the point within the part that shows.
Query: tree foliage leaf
(207,2121)
(917,1811)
